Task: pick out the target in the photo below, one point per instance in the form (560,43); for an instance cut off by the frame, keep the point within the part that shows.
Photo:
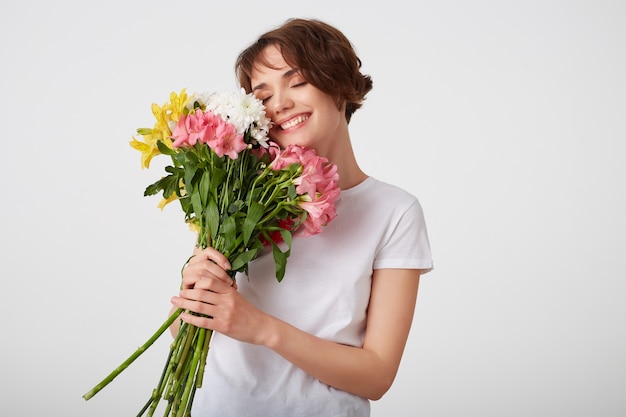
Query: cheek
(275,137)
(332,118)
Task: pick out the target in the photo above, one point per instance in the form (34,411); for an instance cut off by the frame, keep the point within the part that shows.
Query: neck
(350,173)
(349,179)
(339,151)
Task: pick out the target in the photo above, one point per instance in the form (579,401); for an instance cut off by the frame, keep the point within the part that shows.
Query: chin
(282,142)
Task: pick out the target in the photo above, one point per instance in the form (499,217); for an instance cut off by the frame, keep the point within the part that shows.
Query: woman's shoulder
(374,189)
(380,199)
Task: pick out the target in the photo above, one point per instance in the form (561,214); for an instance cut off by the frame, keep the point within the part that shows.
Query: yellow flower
(148,149)
(193,226)
(176,106)
(181,186)
(161,129)
(165,201)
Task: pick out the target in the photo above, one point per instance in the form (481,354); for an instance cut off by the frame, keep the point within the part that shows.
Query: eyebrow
(286,75)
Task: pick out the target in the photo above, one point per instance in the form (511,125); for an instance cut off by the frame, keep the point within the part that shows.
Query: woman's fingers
(212,304)
(206,263)
(213,255)
(204,269)
(212,284)
(203,297)
(198,301)
(198,321)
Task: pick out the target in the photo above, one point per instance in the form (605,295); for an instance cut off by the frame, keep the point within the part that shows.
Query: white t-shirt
(325,292)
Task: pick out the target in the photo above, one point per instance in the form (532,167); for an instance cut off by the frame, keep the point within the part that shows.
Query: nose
(281,101)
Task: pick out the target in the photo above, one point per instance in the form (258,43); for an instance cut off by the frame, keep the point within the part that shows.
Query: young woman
(330,336)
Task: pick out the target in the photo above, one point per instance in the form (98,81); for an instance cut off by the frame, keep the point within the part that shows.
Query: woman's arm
(368,371)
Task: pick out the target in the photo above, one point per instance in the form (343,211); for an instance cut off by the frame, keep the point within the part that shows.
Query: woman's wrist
(271,334)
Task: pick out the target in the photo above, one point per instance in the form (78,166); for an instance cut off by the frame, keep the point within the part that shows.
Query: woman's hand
(206,264)
(208,290)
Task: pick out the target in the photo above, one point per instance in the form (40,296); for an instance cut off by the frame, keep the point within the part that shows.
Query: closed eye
(263,96)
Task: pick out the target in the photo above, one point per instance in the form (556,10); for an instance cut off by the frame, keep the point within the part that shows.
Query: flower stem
(205,352)
(189,383)
(134,356)
(156,393)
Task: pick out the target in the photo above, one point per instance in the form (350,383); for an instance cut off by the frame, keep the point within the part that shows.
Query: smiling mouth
(293,122)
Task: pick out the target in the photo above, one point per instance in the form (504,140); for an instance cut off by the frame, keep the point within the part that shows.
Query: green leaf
(185,204)
(196,204)
(164,149)
(291,191)
(287,238)
(243,258)
(229,231)
(217,178)
(280,257)
(168,184)
(280,262)
(191,158)
(235,206)
(190,174)
(205,184)
(212,217)
(255,212)
(153,189)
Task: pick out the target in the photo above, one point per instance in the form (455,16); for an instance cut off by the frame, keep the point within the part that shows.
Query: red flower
(275,236)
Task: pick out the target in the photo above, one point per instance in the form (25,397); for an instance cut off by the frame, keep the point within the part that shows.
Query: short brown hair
(322,53)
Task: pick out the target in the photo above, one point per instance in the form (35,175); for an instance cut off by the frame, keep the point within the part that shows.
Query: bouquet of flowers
(240,192)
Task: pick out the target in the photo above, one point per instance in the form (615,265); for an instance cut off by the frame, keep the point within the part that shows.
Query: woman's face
(301,113)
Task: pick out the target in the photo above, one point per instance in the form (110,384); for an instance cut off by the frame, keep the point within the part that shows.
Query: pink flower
(226,141)
(207,127)
(260,152)
(316,185)
(317,173)
(194,127)
(320,209)
(282,159)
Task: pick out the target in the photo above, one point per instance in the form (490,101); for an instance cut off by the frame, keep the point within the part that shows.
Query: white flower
(244,111)
(201,98)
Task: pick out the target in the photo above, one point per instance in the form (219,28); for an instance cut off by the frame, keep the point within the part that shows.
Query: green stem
(199,343)
(183,358)
(203,356)
(156,393)
(134,356)
(170,366)
(283,205)
(190,402)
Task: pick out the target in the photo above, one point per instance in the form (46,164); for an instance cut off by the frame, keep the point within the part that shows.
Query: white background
(506,119)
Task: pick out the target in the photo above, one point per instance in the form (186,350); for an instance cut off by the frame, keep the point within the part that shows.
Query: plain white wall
(506,119)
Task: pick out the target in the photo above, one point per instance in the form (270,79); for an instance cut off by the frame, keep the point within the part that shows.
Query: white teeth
(293,122)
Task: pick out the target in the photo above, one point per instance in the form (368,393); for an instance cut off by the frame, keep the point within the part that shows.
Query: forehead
(273,56)
(269,60)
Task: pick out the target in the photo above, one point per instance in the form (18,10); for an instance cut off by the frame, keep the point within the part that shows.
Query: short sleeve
(406,244)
